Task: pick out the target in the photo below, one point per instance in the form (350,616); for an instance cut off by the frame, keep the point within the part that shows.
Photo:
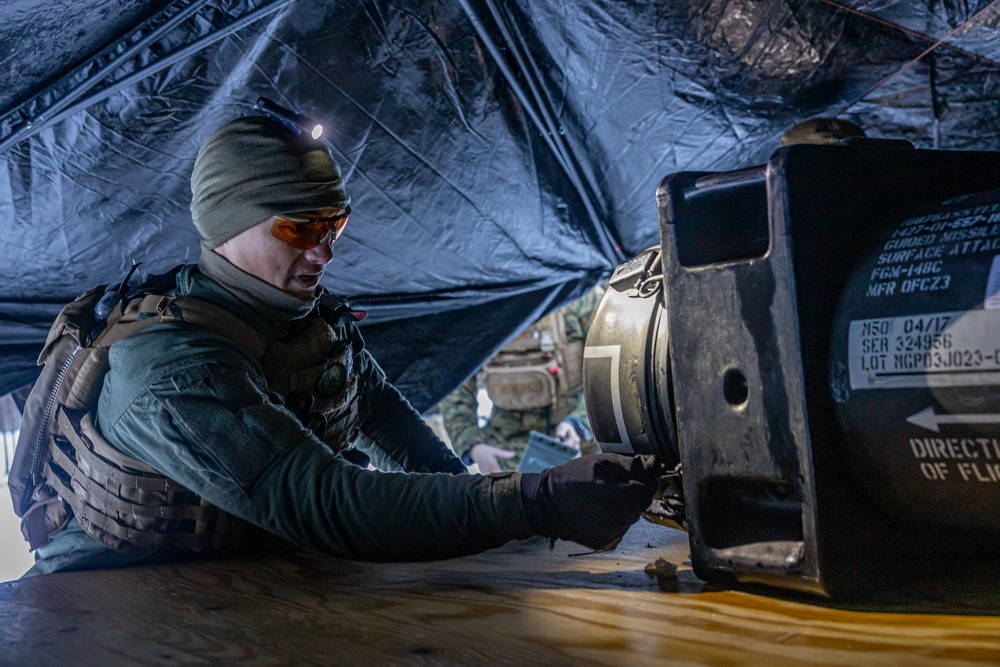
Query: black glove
(591,500)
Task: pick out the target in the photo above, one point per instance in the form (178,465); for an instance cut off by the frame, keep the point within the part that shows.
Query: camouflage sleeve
(580,411)
(579,316)
(461,418)
(580,313)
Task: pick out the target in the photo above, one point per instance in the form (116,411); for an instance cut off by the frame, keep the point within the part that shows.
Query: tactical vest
(63,467)
(536,368)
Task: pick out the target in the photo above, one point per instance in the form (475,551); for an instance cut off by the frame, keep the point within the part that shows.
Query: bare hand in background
(488,457)
(568,434)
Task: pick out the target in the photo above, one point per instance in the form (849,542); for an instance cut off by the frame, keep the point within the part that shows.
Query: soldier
(234,387)
(535,383)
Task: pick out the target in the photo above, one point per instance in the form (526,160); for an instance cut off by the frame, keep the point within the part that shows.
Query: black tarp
(502,156)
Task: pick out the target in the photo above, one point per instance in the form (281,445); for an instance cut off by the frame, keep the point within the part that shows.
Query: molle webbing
(156,308)
(114,497)
(87,380)
(128,506)
(528,373)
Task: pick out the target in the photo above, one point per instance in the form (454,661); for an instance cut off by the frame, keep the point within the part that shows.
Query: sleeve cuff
(510,506)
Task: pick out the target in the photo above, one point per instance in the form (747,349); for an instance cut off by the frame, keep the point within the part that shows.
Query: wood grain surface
(523,604)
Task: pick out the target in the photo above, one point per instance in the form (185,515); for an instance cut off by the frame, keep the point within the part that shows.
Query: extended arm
(460,413)
(207,421)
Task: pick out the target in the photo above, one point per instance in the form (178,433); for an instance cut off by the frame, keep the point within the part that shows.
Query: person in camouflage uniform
(500,443)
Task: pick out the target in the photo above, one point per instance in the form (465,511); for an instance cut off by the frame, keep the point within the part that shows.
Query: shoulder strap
(547,337)
(143,313)
(74,376)
(156,308)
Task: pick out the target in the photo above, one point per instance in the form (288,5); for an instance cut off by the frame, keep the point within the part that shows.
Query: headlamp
(299,124)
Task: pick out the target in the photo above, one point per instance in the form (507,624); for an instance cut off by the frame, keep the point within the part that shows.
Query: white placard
(949,349)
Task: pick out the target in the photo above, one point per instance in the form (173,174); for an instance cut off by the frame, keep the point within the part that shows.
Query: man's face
(288,268)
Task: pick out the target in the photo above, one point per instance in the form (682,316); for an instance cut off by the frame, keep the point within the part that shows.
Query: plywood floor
(523,604)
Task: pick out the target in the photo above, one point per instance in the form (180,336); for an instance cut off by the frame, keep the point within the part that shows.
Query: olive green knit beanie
(252,168)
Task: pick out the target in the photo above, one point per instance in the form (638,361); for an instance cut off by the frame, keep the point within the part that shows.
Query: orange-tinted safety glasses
(305,232)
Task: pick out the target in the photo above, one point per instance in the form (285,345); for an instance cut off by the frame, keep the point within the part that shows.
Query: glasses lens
(310,233)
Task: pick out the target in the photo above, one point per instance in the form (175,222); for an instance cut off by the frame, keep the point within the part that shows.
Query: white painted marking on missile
(614,353)
(932,421)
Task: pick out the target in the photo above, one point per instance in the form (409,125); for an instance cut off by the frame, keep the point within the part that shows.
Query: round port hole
(734,387)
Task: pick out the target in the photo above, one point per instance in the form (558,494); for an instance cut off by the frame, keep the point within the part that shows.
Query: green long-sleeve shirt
(198,409)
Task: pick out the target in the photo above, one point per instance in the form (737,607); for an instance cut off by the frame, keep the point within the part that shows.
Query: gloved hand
(591,500)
